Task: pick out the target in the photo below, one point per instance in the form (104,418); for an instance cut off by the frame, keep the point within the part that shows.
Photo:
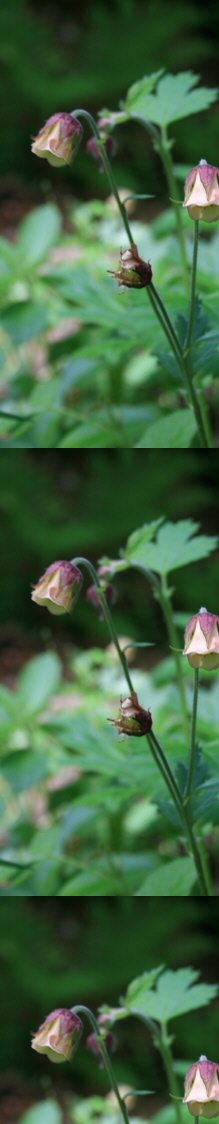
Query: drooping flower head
(58,1036)
(202,1088)
(59,588)
(202,192)
(202,640)
(59,139)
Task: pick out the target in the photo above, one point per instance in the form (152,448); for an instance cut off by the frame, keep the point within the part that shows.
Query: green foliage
(83,365)
(171,432)
(47,1110)
(174,993)
(170,880)
(176,545)
(174,98)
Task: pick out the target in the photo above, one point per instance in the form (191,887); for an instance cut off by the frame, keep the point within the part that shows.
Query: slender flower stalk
(193,736)
(192,290)
(168,167)
(167,610)
(105,1056)
(155,747)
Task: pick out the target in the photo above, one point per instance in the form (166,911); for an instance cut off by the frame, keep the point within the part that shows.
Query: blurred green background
(59,55)
(59,954)
(60,504)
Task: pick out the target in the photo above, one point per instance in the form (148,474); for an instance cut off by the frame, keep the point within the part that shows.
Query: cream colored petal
(198,642)
(198,1091)
(198,194)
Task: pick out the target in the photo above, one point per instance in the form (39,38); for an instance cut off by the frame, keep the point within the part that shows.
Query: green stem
(86,1011)
(204,412)
(107,614)
(167,611)
(162,315)
(181,359)
(161,761)
(193,736)
(108,169)
(161,145)
(192,290)
(204,862)
(168,1063)
(167,162)
(155,747)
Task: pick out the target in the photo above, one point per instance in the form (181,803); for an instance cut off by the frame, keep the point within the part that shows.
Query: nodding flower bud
(95,149)
(132,270)
(58,1036)
(59,139)
(59,588)
(132,718)
(202,1088)
(108,1040)
(202,641)
(92,595)
(202,192)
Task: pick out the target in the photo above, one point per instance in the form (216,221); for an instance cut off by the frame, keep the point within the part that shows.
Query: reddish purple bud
(202,1088)
(132,270)
(59,139)
(93,597)
(94,149)
(93,1044)
(202,640)
(58,1036)
(132,718)
(59,588)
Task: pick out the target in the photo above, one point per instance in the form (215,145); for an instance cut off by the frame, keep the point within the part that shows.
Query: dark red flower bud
(132,718)
(94,148)
(93,1045)
(132,270)
(93,596)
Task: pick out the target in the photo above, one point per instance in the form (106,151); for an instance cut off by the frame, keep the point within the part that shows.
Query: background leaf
(47,1112)
(171,432)
(37,681)
(171,879)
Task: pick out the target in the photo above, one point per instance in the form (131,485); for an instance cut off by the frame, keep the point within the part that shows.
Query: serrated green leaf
(141,537)
(37,681)
(175,992)
(174,98)
(172,879)
(141,90)
(176,545)
(141,985)
(174,431)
